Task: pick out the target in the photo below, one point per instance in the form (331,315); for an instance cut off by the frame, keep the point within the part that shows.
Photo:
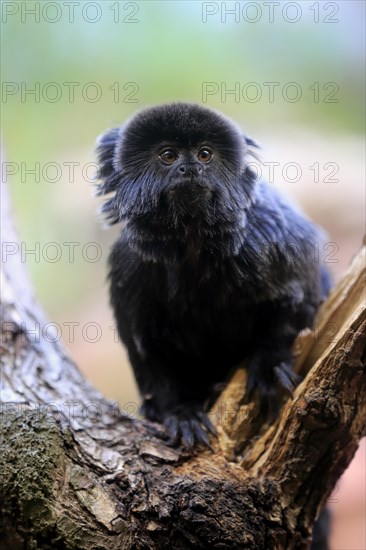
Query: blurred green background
(92,64)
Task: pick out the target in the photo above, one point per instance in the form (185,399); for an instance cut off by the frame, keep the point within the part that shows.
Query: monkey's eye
(205,154)
(168,155)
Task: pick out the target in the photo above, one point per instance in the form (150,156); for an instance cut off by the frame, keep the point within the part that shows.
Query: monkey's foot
(270,381)
(188,425)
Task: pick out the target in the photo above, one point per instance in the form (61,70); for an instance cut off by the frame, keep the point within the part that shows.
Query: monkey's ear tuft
(109,212)
(253,148)
(251,142)
(106,146)
(107,175)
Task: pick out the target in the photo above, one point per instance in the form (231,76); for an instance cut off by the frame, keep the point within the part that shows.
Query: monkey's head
(175,171)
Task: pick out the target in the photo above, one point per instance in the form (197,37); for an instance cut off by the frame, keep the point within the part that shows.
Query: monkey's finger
(204,419)
(200,434)
(287,378)
(187,433)
(172,426)
(254,384)
(254,380)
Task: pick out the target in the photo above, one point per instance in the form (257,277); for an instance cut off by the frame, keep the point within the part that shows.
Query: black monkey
(211,266)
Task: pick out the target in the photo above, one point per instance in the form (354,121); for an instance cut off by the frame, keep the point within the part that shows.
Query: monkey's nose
(190,169)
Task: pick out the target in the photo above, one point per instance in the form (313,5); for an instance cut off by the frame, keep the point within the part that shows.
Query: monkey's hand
(189,425)
(184,419)
(185,423)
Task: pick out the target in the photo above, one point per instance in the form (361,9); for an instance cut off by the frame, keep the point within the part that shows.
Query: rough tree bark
(77,473)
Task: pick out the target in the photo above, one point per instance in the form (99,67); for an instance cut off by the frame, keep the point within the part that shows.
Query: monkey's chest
(209,327)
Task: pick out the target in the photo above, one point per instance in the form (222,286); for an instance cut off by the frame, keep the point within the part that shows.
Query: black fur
(321,531)
(211,267)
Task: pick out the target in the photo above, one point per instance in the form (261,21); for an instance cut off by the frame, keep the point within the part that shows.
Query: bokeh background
(290,73)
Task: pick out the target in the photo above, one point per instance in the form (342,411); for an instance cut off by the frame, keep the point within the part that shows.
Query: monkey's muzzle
(188,195)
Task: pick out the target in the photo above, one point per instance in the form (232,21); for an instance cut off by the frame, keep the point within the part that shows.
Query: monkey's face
(186,176)
(178,168)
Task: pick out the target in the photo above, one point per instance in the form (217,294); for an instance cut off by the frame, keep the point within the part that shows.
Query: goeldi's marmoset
(212,266)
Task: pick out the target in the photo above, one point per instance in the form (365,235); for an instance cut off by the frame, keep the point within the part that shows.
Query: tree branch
(78,473)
